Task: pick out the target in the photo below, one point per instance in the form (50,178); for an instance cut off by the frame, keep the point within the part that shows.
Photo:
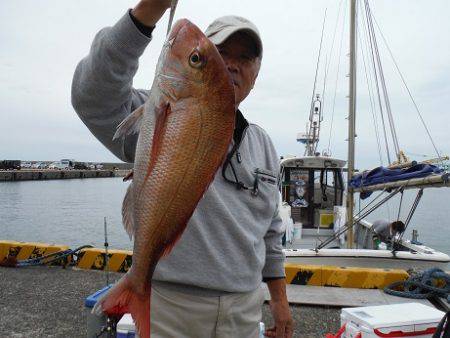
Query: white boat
(317,209)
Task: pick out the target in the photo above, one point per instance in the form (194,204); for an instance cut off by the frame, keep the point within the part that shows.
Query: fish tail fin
(121,298)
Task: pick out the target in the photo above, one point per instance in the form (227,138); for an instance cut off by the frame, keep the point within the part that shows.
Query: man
(209,285)
(385,231)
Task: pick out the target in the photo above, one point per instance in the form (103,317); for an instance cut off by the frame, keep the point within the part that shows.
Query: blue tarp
(384,175)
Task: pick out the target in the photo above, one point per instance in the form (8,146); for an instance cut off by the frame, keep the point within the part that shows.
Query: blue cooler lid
(92,299)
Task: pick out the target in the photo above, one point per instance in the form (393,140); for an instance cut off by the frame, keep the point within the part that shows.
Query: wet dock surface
(49,302)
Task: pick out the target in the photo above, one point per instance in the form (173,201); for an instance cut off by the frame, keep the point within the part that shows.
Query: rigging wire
(380,105)
(327,67)
(349,225)
(410,215)
(400,206)
(311,112)
(322,102)
(369,89)
(383,81)
(364,36)
(337,74)
(408,90)
(324,86)
(328,60)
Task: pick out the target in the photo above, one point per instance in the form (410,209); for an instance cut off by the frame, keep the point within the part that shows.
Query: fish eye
(196,60)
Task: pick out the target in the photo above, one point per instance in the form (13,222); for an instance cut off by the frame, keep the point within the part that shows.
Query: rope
(48,259)
(431,283)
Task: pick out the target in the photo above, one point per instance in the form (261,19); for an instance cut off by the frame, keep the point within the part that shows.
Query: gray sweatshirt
(382,228)
(233,239)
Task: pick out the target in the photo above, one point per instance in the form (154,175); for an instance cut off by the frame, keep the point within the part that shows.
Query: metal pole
(351,120)
(106,251)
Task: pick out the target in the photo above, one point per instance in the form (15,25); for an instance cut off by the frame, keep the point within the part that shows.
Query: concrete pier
(49,302)
(47,174)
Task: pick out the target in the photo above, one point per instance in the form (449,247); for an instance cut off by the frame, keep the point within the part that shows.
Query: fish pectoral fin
(131,124)
(158,134)
(127,212)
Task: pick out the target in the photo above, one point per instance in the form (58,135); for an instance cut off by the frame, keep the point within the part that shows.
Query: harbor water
(71,212)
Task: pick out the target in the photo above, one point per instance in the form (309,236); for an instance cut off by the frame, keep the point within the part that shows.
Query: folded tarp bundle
(384,175)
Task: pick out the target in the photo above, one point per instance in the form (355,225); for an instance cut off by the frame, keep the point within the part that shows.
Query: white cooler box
(396,320)
(125,327)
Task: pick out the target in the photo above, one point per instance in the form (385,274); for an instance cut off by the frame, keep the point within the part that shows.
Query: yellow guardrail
(120,261)
(28,250)
(346,277)
(93,258)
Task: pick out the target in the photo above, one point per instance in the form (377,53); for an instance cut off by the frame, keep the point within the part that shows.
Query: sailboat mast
(351,120)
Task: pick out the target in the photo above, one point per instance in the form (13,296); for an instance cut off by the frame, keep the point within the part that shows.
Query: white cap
(222,28)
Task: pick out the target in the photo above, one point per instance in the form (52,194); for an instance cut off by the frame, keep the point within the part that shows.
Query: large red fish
(185,129)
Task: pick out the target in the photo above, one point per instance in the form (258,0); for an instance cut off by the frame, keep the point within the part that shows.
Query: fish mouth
(177,27)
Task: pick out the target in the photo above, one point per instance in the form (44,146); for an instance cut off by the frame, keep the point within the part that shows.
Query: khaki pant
(178,315)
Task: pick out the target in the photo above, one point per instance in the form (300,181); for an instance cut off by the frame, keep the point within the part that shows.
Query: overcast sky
(41,43)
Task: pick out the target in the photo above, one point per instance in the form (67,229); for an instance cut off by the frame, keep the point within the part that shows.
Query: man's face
(238,52)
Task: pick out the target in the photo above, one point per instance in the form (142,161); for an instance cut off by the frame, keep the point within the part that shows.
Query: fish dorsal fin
(127,212)
(131,124)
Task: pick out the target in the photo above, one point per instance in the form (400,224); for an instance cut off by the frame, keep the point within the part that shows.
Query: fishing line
(173,7)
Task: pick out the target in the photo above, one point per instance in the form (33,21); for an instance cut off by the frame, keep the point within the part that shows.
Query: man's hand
(148,12)
(281,312)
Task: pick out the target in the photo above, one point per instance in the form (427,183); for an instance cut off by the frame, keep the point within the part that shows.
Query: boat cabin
(312,186)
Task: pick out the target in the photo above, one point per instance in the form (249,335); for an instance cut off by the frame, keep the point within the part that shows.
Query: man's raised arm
(102,91)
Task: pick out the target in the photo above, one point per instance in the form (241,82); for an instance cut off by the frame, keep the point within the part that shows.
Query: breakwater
(48,174)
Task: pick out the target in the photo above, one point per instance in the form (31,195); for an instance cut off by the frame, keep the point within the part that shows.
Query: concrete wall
(26,175)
